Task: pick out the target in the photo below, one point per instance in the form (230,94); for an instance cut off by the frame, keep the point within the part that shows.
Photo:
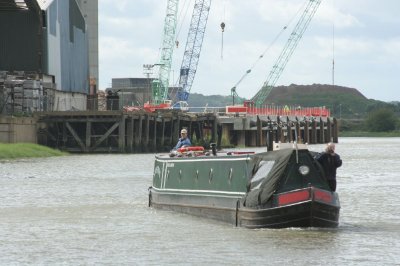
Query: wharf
(140,131)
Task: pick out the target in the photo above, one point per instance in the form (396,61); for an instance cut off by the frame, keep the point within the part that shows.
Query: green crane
(288,50)
(160,85)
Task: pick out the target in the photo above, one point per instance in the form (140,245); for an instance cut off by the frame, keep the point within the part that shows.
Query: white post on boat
(295,143)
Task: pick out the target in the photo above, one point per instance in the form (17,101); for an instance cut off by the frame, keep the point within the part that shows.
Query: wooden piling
(321,131)
(314,132)
(114,131)
(121,135)
(306,131)
(328,135)
(129,137)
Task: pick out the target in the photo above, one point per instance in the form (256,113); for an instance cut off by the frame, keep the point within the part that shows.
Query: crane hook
(222,26)
(222,40)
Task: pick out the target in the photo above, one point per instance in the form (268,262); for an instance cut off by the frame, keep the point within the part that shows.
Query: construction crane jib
(194,42)
(160,85)
(287,51)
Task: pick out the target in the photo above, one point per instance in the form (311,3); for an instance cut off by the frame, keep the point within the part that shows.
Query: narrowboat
(282,188)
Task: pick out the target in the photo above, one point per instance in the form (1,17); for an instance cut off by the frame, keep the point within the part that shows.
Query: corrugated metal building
(67,56)
(21,36)
(90,11)
(48,37)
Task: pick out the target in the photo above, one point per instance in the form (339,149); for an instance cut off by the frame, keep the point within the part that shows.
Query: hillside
(310,93)
(200,100)
(343,102)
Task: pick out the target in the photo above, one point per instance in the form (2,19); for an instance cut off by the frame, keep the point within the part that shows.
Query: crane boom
(287,51)
(160,85)
(194,42)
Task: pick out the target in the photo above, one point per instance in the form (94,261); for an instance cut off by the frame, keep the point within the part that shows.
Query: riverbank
(30,150)
(367,134)
(27,150)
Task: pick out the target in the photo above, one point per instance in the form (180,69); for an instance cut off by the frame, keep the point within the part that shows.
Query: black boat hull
(304,214)
(229,208)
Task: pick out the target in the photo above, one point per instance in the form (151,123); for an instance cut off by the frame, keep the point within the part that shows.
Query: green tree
(381,120)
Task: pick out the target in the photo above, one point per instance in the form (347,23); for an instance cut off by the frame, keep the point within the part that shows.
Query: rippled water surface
(93,210)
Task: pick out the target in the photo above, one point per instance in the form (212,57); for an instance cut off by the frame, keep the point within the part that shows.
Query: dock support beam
(130,127)
(121,135)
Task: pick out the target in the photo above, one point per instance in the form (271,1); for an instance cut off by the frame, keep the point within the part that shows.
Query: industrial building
(128,92)
(48,55)
(90,11)
(132,92)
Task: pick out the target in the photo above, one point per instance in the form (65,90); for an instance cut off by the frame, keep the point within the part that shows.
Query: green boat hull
(224,188)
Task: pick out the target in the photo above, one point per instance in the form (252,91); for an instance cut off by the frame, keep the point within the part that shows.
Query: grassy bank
(26,150)
(369,134)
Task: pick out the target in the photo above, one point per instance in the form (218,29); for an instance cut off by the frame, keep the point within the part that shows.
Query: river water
(93,210)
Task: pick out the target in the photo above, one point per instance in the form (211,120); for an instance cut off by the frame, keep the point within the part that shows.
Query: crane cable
(222,32)
(333,46)
(222,39)
(269,47)
(181,19)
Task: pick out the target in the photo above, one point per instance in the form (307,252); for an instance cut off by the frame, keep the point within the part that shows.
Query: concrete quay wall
(18,129)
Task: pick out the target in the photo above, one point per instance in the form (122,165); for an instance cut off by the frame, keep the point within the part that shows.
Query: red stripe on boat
(191,148)
(324,196)
(293,197)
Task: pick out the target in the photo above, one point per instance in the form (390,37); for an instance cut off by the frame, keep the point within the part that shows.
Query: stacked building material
(22,93)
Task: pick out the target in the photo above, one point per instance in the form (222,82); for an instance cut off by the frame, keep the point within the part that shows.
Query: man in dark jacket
(330,161)
(183,141)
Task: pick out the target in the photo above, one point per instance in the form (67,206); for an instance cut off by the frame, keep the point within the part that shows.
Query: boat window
(264,167)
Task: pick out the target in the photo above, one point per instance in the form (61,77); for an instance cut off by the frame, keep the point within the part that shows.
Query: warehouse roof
(44,3)
(17,5)
(13,5)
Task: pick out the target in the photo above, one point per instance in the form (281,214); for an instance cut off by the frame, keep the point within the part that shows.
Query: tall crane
(287,51)
(160,85)
(194,42)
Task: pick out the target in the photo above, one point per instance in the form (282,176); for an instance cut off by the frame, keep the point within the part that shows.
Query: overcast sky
(362,36)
